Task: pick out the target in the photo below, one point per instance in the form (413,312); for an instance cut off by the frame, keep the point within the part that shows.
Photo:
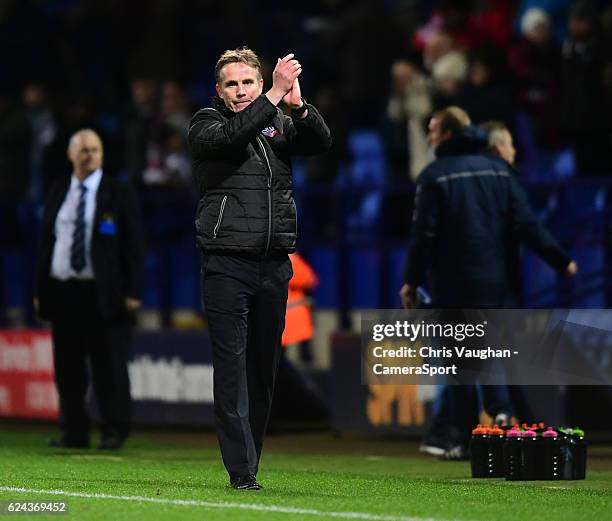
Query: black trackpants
(245,302)
(82,338)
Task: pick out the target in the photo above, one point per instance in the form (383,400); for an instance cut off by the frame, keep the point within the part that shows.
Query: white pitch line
(209,504)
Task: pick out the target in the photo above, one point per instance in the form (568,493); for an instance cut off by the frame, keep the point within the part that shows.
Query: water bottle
(496,453)
(531,460)
(579,448)
(573,454)
(551,451)
(513,455)
(479,452)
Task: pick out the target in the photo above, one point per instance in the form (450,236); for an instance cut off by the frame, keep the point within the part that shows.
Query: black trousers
(245,302)
(88,344)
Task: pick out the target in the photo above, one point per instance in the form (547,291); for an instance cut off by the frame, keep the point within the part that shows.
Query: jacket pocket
(220,218)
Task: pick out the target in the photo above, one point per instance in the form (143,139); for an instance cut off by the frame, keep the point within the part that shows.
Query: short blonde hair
(240,55)
(452,119)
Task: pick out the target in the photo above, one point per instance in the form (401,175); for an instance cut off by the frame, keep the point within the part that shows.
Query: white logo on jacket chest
(269,132)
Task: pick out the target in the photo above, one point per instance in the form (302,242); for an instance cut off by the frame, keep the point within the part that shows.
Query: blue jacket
(470,217)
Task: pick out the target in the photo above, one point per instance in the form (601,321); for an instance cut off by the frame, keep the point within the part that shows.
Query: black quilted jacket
(242,165)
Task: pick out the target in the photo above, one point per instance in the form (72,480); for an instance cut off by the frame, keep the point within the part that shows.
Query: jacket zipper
(221,210)
(269,196)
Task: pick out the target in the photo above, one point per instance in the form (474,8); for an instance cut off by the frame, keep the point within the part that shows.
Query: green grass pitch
(179,476)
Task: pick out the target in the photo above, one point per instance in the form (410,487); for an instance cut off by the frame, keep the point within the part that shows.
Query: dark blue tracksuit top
(470,217)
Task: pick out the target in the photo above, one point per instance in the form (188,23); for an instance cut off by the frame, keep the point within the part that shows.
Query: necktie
(77,251)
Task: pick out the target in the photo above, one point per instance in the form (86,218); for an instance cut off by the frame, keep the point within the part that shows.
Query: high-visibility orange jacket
(298,319)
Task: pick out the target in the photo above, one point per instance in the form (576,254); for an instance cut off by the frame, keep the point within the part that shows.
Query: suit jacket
(117,246)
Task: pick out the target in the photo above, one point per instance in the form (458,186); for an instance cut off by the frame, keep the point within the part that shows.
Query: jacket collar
(469,140)
(91,182)
(220,105)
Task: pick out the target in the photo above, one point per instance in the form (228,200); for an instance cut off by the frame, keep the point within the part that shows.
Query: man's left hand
(407,294)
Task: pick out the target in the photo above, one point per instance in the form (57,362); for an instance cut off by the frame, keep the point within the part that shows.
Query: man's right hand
(572,269)
(408,296)
(286,71)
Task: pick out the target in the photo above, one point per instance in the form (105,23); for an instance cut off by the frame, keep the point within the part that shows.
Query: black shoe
(67,443)
(111,442)
(247,482)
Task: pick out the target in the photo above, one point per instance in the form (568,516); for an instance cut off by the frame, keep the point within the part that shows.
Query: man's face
(505,148)
(479,74)
(85,153)
(239,85)
(435,136)
(539,35)
(143,92)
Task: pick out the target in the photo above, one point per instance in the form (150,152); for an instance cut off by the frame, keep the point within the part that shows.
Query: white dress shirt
(65,223)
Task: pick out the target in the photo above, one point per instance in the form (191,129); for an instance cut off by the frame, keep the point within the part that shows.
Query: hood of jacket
(469,140)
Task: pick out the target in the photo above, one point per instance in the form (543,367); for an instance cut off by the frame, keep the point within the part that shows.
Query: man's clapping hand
(284,79)
(293,98)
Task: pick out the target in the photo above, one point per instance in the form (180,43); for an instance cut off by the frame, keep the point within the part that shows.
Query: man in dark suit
(90,279)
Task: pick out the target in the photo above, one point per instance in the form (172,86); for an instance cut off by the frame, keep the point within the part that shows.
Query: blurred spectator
(409,106)
(44,133)
(494,23)
(535,63)
(469,23)
(175,116)
(140,129)
(176,167)
(557,10)
(448,72)
(437,46)
(583,121)
(156,140)
(414,95)
(484,95)
(175,110)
